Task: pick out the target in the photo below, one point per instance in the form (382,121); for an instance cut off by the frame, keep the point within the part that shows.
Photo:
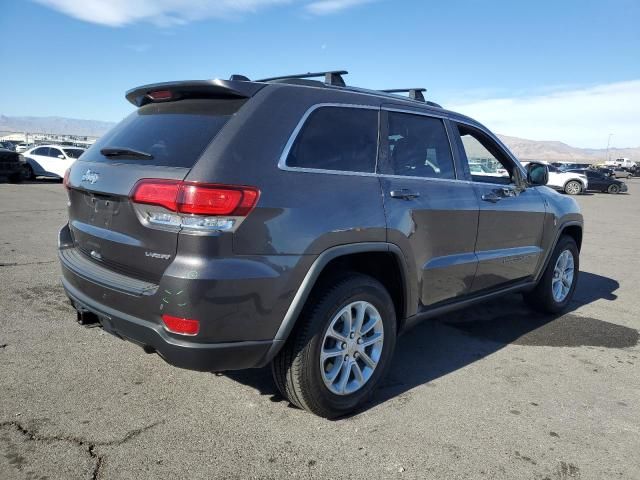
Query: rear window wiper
(124,152)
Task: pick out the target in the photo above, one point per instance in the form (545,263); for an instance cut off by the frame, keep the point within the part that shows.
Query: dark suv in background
(305,224)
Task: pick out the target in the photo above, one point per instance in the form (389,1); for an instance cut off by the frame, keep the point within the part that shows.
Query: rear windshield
(175,133)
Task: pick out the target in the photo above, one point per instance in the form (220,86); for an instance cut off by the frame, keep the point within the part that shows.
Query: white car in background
(571,183)
(50,160)
(22,147)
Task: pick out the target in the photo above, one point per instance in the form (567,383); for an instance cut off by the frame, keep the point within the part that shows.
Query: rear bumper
(180,353)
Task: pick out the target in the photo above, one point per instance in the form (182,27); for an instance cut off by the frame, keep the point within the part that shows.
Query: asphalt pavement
(492,392)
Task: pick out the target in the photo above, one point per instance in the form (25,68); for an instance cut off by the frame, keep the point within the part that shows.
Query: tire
(28,173)
(542,297)
(298,371)
(572,187)
(613,189)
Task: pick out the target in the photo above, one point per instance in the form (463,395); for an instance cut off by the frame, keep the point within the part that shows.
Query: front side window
(487,163)
(337,138)
(419,147)
(54,152)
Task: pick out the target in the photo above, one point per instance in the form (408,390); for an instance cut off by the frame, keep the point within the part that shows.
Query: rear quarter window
(174,133)
(337,138)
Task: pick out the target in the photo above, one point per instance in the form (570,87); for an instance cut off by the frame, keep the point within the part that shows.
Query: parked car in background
(8,146)
(23,147)
(619,172)
(621,162)
(50,160)
(602,183)
(11,165)
(571,183)
(481,170)
(635,171)
(605,170)
(569,166)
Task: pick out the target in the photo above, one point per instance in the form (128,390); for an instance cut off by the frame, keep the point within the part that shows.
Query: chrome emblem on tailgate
(90,176)
(163,256)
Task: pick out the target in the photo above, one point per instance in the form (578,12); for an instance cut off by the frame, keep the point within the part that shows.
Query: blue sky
(517,66)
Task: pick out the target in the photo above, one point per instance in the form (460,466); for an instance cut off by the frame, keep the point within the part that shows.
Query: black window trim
(501,147)
(282,163)
(384,143)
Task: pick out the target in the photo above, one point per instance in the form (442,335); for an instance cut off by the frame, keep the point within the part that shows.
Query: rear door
(41,160)
(170,138)
(431,214)
(57,165)
(511,217)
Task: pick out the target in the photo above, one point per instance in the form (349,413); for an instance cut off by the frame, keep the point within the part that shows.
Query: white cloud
(326,7)
(581,117)
(116,13)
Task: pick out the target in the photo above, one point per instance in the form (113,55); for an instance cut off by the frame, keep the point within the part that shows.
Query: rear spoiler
(166,91)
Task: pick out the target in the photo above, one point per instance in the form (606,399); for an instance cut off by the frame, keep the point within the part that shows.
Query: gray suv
(230,224)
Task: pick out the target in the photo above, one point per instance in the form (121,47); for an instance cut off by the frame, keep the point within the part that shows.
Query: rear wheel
(573,187)
(340,348)
(558,283)
(28,173)
(613,189)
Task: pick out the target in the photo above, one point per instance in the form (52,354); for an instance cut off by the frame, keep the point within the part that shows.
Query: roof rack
(333,77)
(414,93)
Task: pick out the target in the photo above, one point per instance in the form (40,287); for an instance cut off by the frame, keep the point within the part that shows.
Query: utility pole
(608,144)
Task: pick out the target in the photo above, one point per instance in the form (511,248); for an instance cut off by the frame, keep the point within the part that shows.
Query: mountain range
(524,149)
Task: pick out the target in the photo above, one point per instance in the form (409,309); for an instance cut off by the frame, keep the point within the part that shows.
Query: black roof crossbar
(333,77)
(414,93)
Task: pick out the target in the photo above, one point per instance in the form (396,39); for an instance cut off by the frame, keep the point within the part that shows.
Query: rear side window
(41,151)
(174,133)
(337,138)
(419,147)
(73,152)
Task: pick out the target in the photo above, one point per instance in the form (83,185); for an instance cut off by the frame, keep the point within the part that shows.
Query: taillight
(163,193)
(65,181)
(217,200)
(206,206)
(182,326)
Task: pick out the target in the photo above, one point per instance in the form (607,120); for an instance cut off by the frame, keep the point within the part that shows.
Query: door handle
(492,197)
(404,193)
(496,195)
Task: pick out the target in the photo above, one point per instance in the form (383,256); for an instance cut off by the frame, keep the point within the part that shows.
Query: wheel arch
(572,228)
(381,260)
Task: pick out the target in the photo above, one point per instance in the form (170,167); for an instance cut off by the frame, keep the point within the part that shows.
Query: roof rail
(414,93)
(333,77)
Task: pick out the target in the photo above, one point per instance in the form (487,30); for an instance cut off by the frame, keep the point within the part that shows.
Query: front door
(511,217)
(431,214)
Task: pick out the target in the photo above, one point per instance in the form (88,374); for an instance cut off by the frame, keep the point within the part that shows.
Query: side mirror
(61,157)
(537,174)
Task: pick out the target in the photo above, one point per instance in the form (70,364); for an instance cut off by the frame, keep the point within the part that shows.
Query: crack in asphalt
(16,264)
(84,444)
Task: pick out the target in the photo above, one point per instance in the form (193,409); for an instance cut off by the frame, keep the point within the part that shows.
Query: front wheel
(340,349)
(613,189)
(558,283)
(573,187)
